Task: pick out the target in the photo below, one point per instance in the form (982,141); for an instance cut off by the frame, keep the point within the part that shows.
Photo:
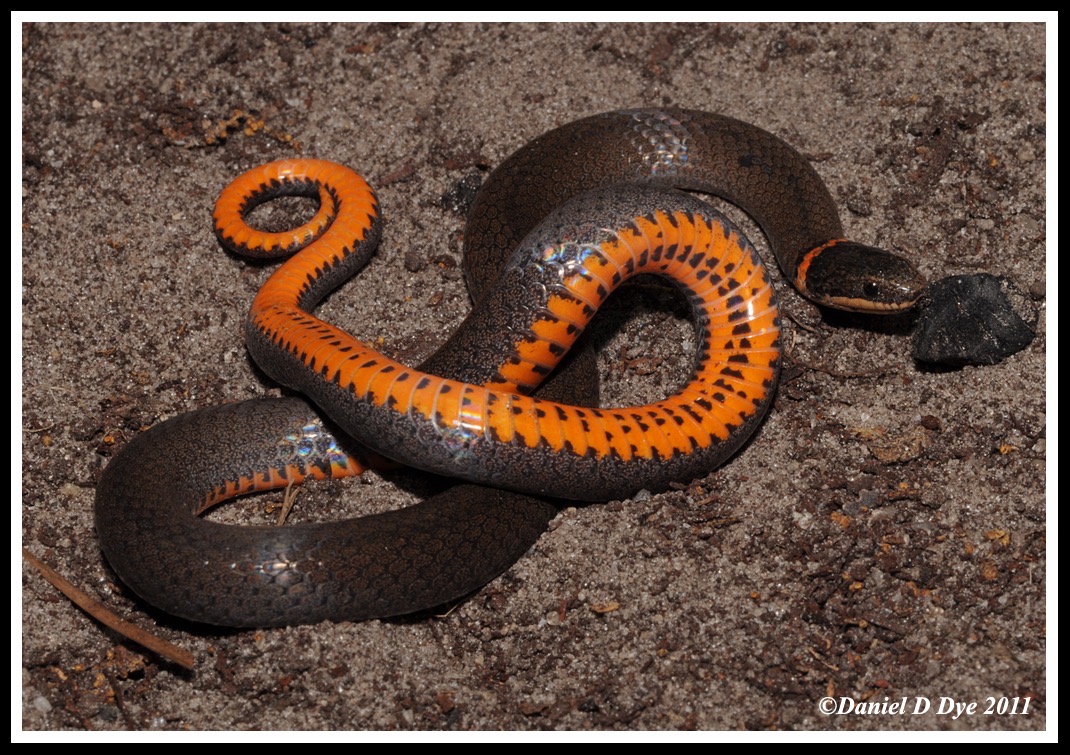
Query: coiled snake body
(553,231)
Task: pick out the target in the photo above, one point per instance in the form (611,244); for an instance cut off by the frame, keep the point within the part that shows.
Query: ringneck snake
(553,231)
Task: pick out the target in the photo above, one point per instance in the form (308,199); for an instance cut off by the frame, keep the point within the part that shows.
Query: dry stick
(94,608)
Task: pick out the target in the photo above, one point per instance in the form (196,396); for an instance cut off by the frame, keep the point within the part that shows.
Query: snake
(551,233)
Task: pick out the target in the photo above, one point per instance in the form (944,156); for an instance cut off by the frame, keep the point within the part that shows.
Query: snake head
(846,275)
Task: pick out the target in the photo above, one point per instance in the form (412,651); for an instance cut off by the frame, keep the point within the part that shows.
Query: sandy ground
(883,536)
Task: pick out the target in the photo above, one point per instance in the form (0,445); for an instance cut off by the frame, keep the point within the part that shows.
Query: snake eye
(871,290)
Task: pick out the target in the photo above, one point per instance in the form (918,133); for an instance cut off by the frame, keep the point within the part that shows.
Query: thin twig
(105,616)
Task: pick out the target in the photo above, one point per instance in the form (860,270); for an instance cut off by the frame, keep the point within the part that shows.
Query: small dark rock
(969,319)
(458,199)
